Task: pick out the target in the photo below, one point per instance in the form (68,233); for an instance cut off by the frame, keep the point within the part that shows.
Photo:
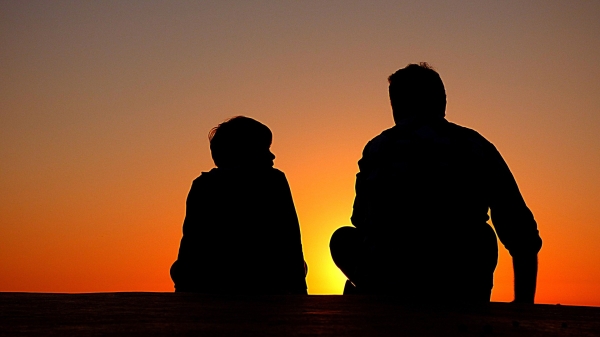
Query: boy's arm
(299,268)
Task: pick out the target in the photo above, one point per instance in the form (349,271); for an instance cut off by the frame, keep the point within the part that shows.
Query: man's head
(241,142)
(417,91)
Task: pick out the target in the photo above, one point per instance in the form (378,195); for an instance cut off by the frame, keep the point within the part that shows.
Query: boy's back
(240,234)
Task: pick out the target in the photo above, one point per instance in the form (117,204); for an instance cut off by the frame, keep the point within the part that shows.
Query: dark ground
(145,314)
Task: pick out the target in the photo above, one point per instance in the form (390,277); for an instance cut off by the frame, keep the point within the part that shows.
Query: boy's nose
(271,155)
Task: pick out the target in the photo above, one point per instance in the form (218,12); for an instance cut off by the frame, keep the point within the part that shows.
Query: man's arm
(525,269)
(515,226)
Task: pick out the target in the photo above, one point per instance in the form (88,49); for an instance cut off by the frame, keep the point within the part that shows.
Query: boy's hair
(237,139)
(417,90)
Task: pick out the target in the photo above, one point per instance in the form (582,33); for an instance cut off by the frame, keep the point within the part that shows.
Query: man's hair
(417,91)
(237,139)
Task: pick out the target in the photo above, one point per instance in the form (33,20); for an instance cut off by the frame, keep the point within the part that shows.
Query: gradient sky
(105,107)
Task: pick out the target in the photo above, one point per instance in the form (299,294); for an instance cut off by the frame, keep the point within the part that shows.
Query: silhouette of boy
(241,232)
(421,209)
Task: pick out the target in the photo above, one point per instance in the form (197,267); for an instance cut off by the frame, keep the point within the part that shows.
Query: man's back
(422,204)
(421,173)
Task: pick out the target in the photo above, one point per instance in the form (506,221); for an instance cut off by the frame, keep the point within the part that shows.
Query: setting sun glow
(105,109)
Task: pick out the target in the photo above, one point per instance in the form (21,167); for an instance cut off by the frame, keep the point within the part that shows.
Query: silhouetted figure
(241,231)
(422,198)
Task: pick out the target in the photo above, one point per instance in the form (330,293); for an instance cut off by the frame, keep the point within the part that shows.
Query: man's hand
(525,270)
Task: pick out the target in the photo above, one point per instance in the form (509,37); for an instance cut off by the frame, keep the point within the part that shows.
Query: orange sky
(105,109)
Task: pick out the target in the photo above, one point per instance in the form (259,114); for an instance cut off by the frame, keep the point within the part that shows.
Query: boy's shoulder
(213,173)
(218,173)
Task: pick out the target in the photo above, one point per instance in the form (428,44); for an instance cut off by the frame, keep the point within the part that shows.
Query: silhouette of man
(421,209)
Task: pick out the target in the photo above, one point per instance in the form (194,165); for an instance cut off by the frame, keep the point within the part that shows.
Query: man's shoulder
(441,131)
(445,127)
(464,131)
(475,143)
(467,135)
(380,140)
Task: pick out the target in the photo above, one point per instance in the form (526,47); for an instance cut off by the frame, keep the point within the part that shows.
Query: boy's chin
(266,165)
(253,165)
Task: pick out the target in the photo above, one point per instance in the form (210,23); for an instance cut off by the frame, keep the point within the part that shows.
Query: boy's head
(241,142)
(417,91)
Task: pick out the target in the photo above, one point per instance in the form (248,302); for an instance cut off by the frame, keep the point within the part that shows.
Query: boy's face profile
(241,142)
(270,158)
(260,157)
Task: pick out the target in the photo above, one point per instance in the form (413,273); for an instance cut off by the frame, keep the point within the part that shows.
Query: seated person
(241,232)
(421,209)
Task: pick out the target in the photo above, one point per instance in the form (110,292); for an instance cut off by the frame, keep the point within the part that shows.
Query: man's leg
(183,280)
(480,261)
(176,272)
(344,246)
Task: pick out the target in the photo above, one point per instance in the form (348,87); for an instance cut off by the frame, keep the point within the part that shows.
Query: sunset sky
(105,107)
